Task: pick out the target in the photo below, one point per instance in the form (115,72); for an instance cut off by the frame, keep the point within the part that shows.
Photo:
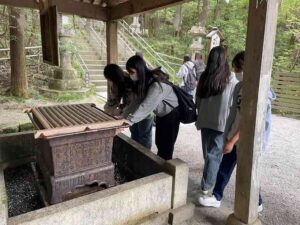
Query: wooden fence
(287,89)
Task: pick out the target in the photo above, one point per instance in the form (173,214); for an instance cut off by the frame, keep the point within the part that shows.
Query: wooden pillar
(262,22)
(19,83)
(112,48)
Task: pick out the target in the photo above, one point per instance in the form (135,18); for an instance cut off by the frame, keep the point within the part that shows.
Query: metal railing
(96,40)
(151,55)
(94,37)
(38,53)
(83,67)
(6,52)
(131,49)
(167,57)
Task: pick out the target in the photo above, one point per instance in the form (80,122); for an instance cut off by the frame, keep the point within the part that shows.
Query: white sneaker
(209,201)
(204,192)
(260,208)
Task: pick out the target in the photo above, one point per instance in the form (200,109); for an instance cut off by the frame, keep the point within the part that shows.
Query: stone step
(96,72)
(103,94)
(96,62)
(99,82)
(90,57)
(101,89)
(97,77)
(88,53)
(95,66)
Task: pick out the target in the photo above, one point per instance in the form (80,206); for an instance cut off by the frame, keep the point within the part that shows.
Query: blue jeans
(226,168)
(191,93)
(141,132)
(212,146)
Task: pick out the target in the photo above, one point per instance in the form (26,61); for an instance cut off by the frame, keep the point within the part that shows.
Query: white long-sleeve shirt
(183,71)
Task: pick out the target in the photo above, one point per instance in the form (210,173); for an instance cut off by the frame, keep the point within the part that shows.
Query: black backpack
(186,105)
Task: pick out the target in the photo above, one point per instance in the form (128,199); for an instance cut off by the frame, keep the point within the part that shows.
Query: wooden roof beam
(115,2)
(66,6)
(132,7)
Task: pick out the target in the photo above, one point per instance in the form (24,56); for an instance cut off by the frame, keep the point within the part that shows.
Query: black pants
(226,168)
(167,128)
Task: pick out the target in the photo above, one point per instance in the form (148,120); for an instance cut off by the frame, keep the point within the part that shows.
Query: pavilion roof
(98,9)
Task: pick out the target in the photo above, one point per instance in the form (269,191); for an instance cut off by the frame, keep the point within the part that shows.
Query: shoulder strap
(168,104)
(190,71)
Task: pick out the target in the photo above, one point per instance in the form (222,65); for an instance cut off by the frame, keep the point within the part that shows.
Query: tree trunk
(32,40)
(154,22)
(218,9)
(178,20)
(19,84)
(203,15)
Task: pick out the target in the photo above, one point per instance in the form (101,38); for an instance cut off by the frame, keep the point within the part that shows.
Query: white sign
(65,20)
(215,41)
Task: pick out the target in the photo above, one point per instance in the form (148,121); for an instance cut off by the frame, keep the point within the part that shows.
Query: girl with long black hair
(214,99)
(158,97)
(124,100)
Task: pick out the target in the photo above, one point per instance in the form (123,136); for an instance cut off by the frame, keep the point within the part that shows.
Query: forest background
(168,29)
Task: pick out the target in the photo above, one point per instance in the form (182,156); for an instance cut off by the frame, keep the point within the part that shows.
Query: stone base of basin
(156,197)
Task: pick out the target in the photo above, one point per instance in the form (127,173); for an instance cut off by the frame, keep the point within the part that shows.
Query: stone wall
(4,77)
(36,75)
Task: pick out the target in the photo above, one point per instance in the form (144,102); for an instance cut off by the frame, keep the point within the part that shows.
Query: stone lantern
(65,78)
(197,32)
(136,26)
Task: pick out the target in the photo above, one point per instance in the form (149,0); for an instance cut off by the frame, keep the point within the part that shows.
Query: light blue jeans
(212,146)
(141,132)
(188,91)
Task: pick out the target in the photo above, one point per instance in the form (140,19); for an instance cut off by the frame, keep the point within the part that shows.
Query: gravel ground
(21,191)
(280,184)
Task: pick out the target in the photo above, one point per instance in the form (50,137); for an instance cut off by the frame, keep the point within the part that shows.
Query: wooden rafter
(132,7)
(66,6)
(115,2)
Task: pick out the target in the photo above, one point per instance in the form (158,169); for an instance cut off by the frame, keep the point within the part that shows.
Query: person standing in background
(232,134)
(187,73)
(199,65)
(213,100)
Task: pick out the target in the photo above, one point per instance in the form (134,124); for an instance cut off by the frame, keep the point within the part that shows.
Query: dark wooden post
(112,48)
(260,44)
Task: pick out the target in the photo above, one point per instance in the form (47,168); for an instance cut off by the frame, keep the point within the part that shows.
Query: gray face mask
(133,77)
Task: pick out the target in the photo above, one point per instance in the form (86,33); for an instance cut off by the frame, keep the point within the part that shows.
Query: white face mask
(133,76)
(239,76)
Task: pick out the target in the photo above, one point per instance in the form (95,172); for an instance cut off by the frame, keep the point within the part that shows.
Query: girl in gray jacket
(214,99)
(157,97)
